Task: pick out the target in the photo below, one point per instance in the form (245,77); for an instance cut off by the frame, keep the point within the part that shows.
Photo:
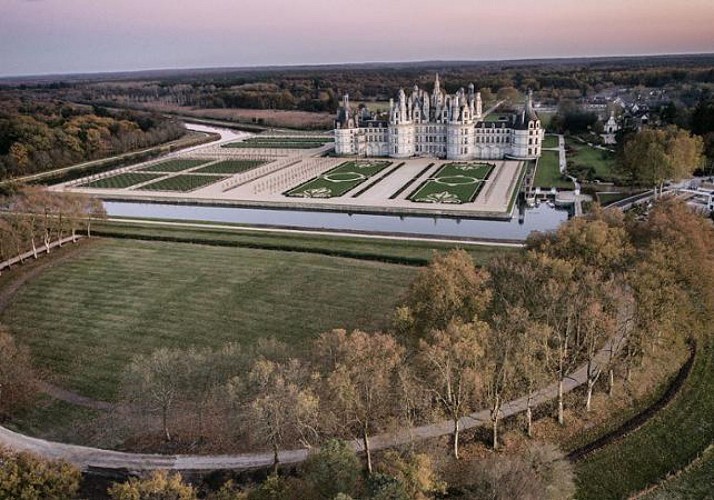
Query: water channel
(541,218)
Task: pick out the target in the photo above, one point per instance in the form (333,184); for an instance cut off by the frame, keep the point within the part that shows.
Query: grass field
(550,141)
(171,166)
(453,183)
(122,181)
(695,483)
(399,251)
(84,319)
(668,442)
(602,162)
(182,183)
(339,180)
(548,172)
(231,167)
(286,142)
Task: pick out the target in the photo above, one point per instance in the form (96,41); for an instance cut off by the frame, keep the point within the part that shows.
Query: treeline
(37,135)
(320,89)
(464,339)
(34,218)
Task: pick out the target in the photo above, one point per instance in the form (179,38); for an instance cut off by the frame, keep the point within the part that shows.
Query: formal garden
(121,181)
(453,183)
(285,142)
(339,180)
(171,166)
(182,183)
(231,167)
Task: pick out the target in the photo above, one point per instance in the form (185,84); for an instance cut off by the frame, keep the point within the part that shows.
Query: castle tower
(478,113)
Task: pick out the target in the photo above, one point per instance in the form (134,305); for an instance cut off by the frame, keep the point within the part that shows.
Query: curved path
(85,457)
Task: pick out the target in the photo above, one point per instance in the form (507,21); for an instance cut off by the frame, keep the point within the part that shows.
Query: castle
(438,125)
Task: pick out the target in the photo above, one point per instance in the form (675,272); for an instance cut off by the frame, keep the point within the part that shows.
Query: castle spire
(437,85)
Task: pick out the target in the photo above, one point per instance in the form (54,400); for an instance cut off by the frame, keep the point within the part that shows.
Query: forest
(38,134)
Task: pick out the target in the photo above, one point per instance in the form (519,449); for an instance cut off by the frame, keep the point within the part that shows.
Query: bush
(160,485)
(27,477)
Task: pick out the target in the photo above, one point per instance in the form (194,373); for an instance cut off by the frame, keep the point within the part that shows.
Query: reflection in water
(542,218)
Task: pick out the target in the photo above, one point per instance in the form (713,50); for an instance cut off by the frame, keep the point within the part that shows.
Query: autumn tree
(283,409)
(152,382)
(359,371)
(451,363)
(18,382)
(25,476)
(332,469)
(415,471)
(652,156)
(160,485)
(450,288)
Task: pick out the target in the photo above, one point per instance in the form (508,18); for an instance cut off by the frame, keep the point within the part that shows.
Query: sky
(82,36)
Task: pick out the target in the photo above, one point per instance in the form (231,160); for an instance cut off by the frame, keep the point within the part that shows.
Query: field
(602,162)
(173,166)
(453,183)
(548,172)
(550,141)
(230,167)
(182,183)
(696,482)
(121,181)
(280,143)
(665,444)
(84,320)
(339,180)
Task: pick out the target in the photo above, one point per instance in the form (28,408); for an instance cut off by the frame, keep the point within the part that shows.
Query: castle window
(530,141)
(530,151)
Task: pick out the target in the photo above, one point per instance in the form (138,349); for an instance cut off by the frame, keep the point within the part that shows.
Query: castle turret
(478,113)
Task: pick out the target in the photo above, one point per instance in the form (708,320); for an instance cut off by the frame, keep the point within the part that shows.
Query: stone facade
(438,125)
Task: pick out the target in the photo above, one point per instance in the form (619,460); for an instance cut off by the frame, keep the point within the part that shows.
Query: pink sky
(60,36)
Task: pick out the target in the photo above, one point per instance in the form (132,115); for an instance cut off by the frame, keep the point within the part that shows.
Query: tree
(283,409)
(151,383)
(651,157)
(360,374)
(331,470)
(415,472)
(160,485)
(451,287)
(18,383)
(27,477)
(451,366)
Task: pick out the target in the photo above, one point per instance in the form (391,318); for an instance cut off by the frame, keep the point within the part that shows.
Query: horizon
(329,64)
(128,35)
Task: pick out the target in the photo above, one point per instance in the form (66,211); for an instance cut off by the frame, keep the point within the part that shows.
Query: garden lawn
(171,166)
(550,141)
(602,161)
(339,180)
(85,319)
(230,167)
(121,181)
(453,183)
(182,183)
(548,172)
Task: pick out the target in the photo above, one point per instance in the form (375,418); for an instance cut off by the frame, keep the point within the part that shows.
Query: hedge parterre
(453,183)
(339,180)
(182,183)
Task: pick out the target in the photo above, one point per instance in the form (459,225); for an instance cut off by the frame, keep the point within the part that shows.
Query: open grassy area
(668,442)
(122,181)
(602,162)
(453,183)
(548,172)
(182,183)
(84,319)
(397,251)
(695,483)
(171,166)
(231,167)
(550,141)
(339,180)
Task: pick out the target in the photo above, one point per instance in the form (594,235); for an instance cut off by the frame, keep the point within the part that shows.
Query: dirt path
(85,457)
